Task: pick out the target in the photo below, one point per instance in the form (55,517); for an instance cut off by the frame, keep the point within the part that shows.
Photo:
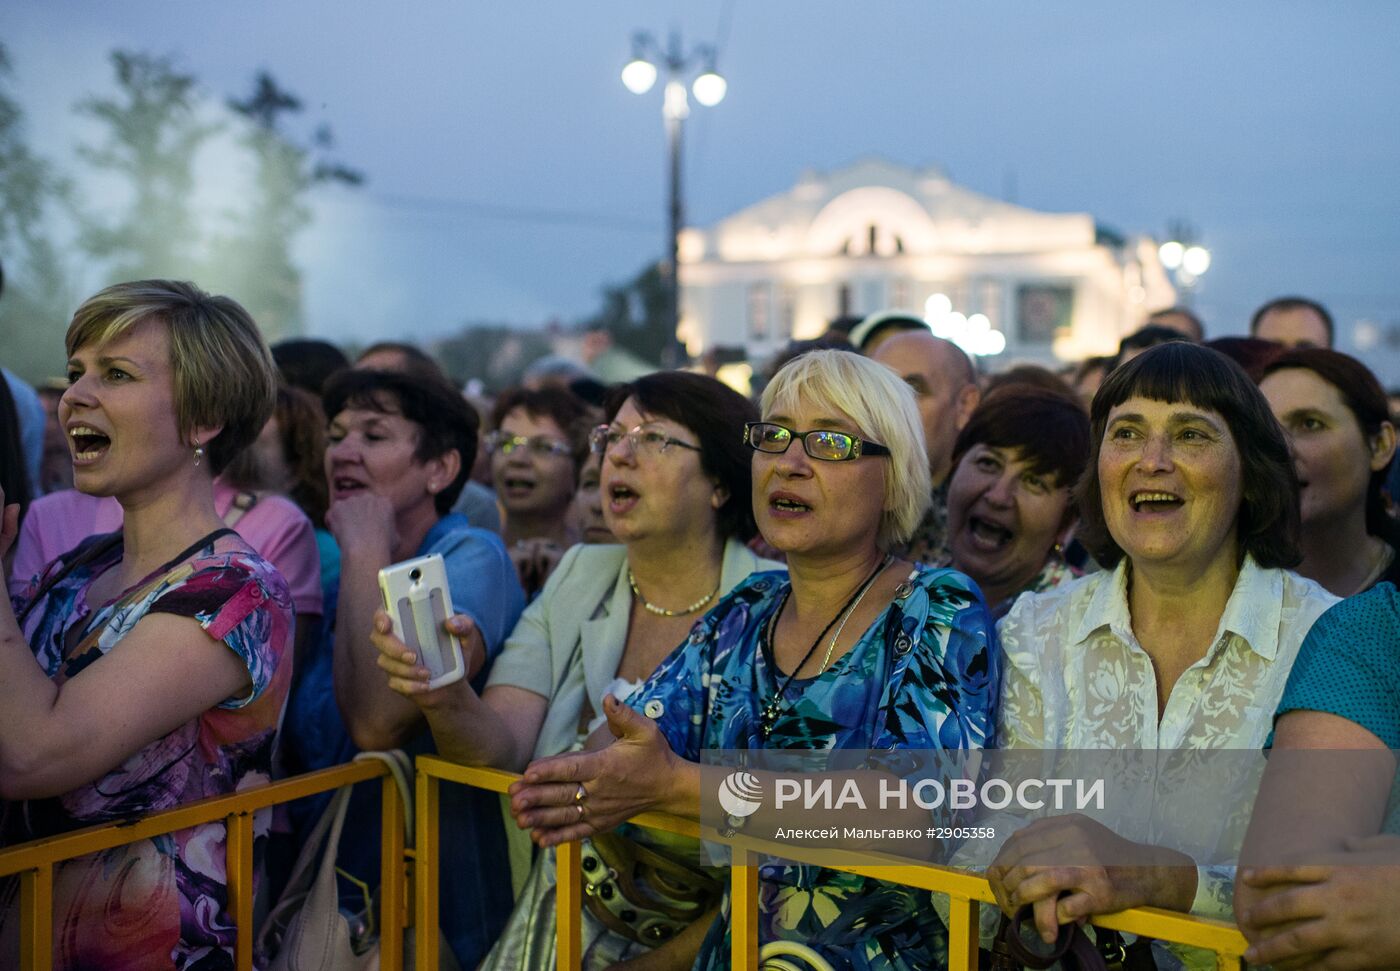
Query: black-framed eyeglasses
(820,443)
(505,443)
(641,438)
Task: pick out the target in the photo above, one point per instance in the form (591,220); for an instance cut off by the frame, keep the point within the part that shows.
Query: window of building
(1042,309)
(759,311)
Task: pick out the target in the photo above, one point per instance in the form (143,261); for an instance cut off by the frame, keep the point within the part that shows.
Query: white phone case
(417,599)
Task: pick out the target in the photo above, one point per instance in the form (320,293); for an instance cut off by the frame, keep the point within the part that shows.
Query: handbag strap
(778,955)
(316,861)
(400,768)
(1072,947)
(97,549)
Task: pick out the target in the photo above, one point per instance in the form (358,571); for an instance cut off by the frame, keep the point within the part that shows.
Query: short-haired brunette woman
(1184,641)
(149,667)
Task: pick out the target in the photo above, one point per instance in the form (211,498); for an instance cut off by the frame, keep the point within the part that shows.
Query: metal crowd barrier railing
(34,863)
(966,892)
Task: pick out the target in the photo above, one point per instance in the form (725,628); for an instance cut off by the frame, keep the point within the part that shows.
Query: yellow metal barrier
(965,891)
(34,862)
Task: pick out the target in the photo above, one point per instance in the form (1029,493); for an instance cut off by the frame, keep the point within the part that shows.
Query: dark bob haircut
(574,416)
(716,414)
(1268,518)
(1049,429)
(445,421)
(1366,400)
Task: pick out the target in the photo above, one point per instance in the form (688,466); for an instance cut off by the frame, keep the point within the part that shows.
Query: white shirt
(1075,676)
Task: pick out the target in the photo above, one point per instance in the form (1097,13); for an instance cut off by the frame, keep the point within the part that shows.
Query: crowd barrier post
(966,891)
(34,862)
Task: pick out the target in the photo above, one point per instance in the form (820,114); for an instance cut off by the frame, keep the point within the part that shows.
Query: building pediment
(875,207)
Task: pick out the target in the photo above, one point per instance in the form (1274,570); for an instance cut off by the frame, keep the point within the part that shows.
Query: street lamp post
(709,88)
(1186,260)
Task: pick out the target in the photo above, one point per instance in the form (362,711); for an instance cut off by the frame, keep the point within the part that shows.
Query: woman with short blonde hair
(853,650)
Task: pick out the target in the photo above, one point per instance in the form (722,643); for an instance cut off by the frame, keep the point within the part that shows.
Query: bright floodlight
(937,306)
(995,344)
(709,89)
(639,75)
(1171,254)
(1196,260)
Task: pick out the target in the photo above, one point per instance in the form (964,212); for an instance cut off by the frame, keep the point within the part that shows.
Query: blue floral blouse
(925,675)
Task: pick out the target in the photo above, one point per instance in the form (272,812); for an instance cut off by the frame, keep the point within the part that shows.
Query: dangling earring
(198,454)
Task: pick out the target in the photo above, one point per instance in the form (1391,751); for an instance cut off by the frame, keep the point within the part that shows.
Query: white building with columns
(876,235)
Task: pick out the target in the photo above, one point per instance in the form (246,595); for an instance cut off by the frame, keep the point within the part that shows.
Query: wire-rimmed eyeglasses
(641,438)
(505,443)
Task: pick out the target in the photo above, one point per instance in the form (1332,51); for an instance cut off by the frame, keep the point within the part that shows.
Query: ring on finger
(582,809)
(580,794)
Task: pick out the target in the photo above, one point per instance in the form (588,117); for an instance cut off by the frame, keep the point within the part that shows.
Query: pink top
(275,527)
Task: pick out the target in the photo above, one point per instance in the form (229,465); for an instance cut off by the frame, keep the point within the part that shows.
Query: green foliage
(153,131)
(254,260)
(152,138)
(493,354)
(636,314)
(38,294)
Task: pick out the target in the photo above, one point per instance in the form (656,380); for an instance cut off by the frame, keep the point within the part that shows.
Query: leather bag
(307,929)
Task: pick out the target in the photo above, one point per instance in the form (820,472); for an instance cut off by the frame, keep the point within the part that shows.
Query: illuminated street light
(973,334)
(709,88)
(1185,260)
(639,75)
(1196,260)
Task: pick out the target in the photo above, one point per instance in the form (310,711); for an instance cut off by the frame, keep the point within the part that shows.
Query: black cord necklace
(773,707)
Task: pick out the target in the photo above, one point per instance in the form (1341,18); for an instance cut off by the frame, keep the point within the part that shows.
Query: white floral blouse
(1075,676)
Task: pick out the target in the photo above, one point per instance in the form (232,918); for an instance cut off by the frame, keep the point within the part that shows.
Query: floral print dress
(925,675)
(162,902)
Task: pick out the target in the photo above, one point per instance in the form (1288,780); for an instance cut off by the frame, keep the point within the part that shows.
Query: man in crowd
(945,384)
(1181,319)
(1293,322)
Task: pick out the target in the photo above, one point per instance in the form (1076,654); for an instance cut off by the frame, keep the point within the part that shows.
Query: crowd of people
(1190,545)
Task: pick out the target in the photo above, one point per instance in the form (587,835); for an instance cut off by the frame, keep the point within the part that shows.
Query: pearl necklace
(662,611)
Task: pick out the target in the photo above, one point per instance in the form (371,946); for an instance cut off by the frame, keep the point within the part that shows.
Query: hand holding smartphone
(418,603)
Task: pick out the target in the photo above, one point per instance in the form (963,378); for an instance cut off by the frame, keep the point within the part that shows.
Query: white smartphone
(417,599)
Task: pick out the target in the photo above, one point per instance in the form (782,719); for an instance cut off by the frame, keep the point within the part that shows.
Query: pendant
(768,719)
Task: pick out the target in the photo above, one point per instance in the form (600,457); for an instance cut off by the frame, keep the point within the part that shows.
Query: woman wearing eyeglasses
(537,447)
(854,650)
(675,482)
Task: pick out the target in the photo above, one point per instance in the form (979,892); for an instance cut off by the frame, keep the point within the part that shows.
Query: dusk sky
(511,175)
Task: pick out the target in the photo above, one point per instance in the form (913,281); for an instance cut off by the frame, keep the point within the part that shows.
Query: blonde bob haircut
(882,407)
(222,370)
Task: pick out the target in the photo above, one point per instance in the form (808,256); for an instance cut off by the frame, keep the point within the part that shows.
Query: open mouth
(88,442)
(345,486)
(989,535)
(1154,501)
(621,493)
(790,505)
